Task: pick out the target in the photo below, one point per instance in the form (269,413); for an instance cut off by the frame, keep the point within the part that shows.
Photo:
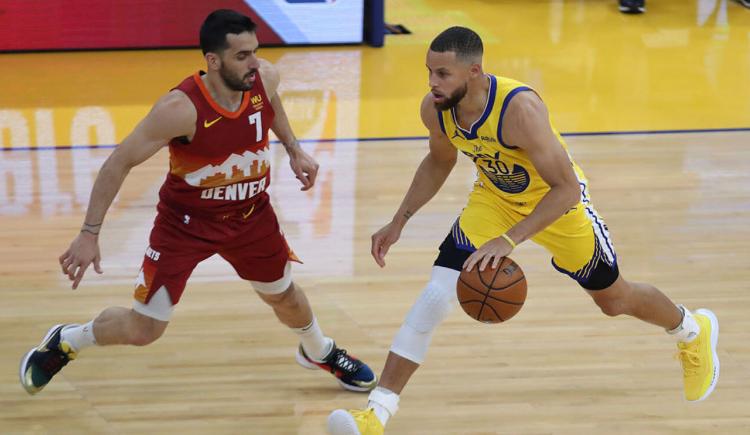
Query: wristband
(509,240)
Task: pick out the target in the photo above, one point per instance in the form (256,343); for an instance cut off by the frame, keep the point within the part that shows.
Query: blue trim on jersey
(460,239)
(472,134)
(595,217)
(584,273)
(502,114)
(440,120)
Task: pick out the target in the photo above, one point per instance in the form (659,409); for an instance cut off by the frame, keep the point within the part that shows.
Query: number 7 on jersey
(256,119)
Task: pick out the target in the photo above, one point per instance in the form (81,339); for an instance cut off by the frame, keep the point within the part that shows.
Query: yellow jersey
(507,170)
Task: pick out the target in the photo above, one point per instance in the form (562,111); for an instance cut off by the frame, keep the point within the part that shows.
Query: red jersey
(226,166)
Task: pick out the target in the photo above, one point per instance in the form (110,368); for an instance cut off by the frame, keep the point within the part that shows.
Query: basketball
(492,296)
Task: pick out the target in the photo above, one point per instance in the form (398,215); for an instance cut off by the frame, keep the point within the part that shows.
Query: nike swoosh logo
(207,124)
(245,215)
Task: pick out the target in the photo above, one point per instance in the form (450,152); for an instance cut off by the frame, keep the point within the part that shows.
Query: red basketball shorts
(250,240)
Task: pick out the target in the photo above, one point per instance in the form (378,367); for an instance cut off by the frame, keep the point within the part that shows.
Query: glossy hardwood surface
(677,207)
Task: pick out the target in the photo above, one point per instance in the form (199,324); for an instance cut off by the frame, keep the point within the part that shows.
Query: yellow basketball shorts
(578,241)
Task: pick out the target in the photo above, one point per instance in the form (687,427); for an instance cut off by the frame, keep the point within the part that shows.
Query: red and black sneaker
(43,362)
(350,372)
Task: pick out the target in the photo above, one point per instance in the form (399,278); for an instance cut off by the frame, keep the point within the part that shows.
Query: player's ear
(213,60)
(475,69)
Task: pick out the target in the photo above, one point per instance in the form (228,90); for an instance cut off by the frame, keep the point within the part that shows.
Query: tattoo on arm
(408,214)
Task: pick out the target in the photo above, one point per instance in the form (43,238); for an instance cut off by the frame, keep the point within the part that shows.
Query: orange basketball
(492,296)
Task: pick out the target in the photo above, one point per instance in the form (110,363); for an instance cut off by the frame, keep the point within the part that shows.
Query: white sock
(688,329)
(384,402)
(79,336)
(315,344)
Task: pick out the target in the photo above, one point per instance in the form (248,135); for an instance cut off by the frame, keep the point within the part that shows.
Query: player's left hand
(303,165)
(494,250)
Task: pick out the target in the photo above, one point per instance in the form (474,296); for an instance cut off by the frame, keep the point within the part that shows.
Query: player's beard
(454,99)
(234,83)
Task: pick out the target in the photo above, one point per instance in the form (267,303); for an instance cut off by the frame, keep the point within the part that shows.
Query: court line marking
(407,138)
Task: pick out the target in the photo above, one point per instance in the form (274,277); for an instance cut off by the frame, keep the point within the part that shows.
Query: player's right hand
(382,241)
(83,251)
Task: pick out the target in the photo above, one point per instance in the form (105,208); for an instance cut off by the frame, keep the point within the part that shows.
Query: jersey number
(496,167)
(255,119)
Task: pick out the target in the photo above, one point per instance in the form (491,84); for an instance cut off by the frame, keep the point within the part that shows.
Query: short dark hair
(218,24)
(461,40)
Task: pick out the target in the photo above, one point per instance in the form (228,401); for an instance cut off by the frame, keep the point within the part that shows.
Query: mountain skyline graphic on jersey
(236,168)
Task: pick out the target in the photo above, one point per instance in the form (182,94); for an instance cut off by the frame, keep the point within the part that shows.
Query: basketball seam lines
(494,311)
(487,294)
(509,285)
(499,268)
(492,289)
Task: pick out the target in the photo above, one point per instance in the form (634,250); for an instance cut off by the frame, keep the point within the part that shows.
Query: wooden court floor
(677,206)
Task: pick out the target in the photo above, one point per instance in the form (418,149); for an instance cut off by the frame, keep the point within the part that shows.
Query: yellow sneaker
(354,422)
(700,363)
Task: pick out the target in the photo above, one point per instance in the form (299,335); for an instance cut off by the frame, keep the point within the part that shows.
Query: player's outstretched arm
(526,125)
(303,165)
(172,116)
(430,176)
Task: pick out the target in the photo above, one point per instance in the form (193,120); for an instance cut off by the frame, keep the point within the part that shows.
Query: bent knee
(612,306)
(431,307)
(284,299)
(616,299)
(146,330)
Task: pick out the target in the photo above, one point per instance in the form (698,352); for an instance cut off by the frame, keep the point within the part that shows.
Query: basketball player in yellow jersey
(528,188)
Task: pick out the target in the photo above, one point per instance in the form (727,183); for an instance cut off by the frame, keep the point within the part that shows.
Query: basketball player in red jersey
(213,201)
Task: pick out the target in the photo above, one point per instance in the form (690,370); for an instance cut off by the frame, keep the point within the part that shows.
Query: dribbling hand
(382,241)
(83,251)
(494,250)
